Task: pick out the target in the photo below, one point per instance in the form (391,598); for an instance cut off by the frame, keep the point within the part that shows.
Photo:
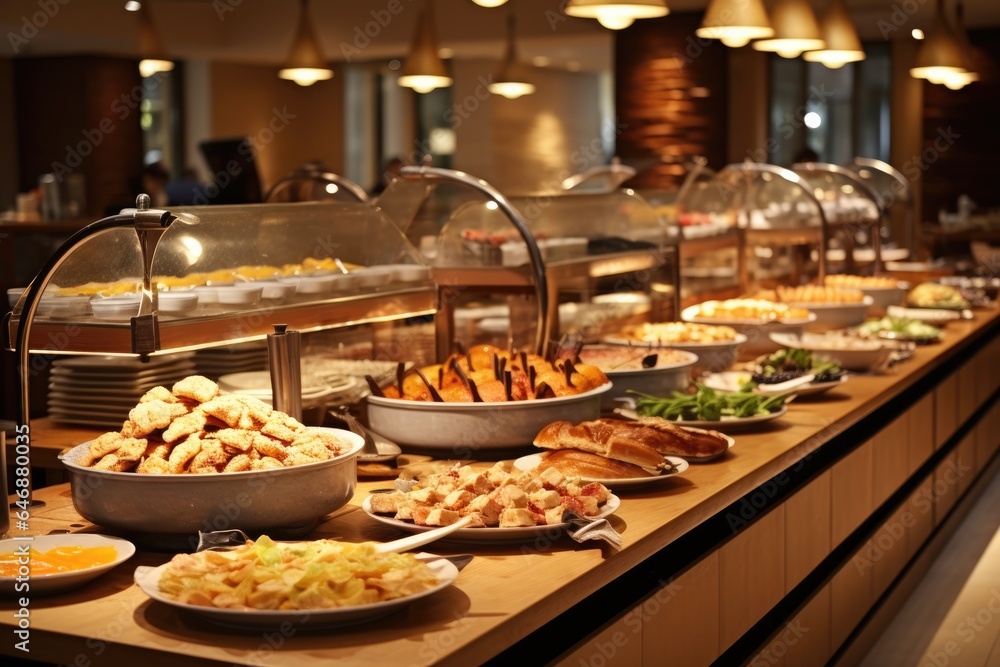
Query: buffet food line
(508,590)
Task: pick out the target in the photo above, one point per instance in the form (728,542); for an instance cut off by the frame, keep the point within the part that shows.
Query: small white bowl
(115,308)
(276,292)
(372,276)
(313,284)
(176,303)
(244,294)
(411,273)
(837,315)
(207,294)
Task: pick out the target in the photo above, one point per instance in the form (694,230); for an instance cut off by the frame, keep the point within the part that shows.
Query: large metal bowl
(659,380)
(463,429)
(167,509)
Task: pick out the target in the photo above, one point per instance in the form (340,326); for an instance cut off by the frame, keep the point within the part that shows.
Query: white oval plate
(733,380)
(477,535)
(729,423)
(148,579)
(63,581)
(679,465)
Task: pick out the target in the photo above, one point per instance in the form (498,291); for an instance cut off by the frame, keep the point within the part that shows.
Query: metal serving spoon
(377,448)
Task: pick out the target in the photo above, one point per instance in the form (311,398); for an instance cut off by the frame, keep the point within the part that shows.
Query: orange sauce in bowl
(60,559)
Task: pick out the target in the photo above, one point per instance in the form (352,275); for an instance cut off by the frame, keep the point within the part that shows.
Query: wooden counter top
(506,592)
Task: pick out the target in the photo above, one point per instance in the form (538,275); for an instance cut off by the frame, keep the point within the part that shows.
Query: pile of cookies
(192,428)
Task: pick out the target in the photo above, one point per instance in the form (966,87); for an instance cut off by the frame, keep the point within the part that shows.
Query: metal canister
(284,354)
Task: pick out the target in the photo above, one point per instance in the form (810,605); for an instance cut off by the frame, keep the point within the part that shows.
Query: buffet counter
(715,562)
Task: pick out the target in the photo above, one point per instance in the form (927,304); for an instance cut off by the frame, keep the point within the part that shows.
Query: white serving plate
(679,465)
(883,297)
(481,535)
(713,356)
(111,364)
(478,426)
(63,581)
(939,317)
(756,332)
(837,315)
(865,354)
(733,380)
(148,579)
(728,423)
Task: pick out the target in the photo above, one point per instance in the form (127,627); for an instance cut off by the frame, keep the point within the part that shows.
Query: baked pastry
(618,438)
(577,463)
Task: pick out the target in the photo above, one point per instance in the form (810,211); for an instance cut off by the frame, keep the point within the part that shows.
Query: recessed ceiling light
(133,6)
(917,33)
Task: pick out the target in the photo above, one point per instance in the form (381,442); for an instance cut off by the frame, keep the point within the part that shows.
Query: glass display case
(147,281)
(895,195)
(854,212)
(535,266)
(779,222)
(313,183)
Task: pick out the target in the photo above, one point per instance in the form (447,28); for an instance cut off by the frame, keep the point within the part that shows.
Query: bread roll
(638,442)
(575,463)
(602,437)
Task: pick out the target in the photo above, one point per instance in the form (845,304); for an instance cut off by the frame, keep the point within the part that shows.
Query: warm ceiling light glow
(959,80)
(616,14)
(795,30)
(151,48)
(132,6)
(305,64)
(842,42)
(446,53)
(917,33)
(812,120)
(332,188)
(940,56)
(511,80)
(489,3)
(735,22)
(540,61)
(424,70)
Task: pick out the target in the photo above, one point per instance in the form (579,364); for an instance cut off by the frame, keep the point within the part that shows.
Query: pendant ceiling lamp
(735,22)
(489,3)
(795,30)
(305,64)
(940,55)
(842,42)
(616,14)
(424,70)
(961,80)
(151,49)
(511,81)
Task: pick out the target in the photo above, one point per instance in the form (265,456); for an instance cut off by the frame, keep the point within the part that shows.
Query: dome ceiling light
(735,22)
(842,42)
(511,80)
(940,55)
(305,64)
(795,30)
(151,48)
(424,69)
(616,14)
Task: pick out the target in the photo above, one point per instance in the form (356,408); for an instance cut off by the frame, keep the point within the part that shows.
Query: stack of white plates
(100,391)
(315,391)
(241,358)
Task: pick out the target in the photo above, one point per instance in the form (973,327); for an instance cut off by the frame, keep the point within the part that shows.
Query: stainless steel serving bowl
(167,509)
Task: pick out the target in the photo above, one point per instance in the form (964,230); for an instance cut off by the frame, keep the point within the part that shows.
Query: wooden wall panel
(670,96)
(960,140)
(807,529)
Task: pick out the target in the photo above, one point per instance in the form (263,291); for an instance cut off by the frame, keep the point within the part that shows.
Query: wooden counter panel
(807,529)
(851,492)
(507,593)
(889,552)
(945,410)
(851,594)
(946,479)
(681,620)
(889,459)
(802,642)
(751,575)
(920,506)
(920,433)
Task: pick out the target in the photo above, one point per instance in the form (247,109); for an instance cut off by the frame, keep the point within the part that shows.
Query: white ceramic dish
(883,297)
(837,315)
(148,579)
(756,332)
(275,292)
(242,294)
(712,357)
(116,308)
(727,423)
(177,303)
(938,317)
(54,306)
(478,426)
(850,353)
(661,379)
(63,581)
(679,465)
(733,380)
(480,535)
(207,294)
(291,499)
